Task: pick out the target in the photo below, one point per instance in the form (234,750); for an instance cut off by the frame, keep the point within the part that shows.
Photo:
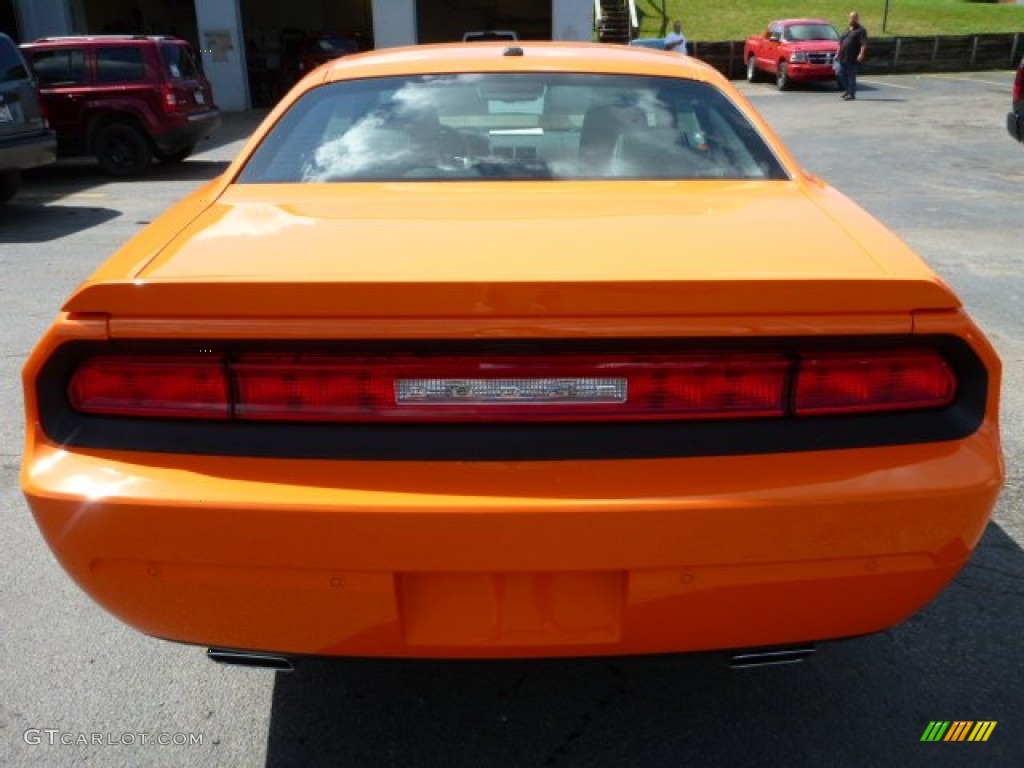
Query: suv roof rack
(61,38)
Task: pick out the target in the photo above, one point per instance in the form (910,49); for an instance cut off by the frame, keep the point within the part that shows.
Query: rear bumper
(188,130)
(498,559)
(28,151)
(1015,125)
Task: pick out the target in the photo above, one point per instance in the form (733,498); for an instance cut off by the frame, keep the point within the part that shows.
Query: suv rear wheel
(177,156)
(9,182)
(122,149)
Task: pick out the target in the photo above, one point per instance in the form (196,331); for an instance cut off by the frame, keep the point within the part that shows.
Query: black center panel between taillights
(512,441)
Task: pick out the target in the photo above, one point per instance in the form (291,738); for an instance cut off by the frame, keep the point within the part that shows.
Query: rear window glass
(12,66)
(180,62)
(59,67)
(512,126)
(118,65)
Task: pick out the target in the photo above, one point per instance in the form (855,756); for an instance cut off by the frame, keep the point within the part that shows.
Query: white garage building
(245,41)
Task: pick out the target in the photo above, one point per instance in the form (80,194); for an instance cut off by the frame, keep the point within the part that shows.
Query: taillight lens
(169,387)
(553,388)
(1018,84)
(170,99)
(855,382)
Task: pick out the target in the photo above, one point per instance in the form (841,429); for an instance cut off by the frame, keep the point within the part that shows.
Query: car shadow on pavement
(25,221)
(865,701)
(68,177)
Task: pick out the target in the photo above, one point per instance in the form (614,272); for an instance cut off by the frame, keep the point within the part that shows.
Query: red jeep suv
(124,98)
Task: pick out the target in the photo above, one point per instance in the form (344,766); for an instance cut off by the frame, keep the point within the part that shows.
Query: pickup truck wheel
(782,76)
(9,183)
(122,150)
(752,69)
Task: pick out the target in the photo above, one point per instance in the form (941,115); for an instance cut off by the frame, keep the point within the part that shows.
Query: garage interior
(8,21)
(274,31)
(441,21)
(144,17)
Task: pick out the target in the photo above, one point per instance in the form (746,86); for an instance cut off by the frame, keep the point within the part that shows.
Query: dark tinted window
(118,65)
(12,66)
(59,67)
(179,62)
(800,32)
(512,126)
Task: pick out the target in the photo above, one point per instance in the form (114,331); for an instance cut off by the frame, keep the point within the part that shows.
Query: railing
(634,17)
(897,55)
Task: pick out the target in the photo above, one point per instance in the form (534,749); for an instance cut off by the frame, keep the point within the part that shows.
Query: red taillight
(170,387)
(509,389)
(336,388)
(857,382)
(170,99)
(1018,84)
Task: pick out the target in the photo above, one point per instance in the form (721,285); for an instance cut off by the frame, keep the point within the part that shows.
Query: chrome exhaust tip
(772,658)
(246,659)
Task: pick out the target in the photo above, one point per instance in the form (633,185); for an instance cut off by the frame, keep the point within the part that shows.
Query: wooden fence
(891,55)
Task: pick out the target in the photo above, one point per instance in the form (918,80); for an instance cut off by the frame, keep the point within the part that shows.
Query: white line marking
(870,81)
(970,80)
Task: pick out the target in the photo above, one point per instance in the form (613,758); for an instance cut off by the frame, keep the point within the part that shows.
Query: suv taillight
(170,100)
(1018,83)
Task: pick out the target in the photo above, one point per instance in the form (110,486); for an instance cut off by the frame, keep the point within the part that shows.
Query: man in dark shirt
(853,46)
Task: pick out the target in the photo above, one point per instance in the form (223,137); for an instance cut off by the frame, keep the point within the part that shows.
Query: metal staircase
(614,21)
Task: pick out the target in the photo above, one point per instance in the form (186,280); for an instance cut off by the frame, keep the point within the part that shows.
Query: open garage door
(8,21)
(442,21)
(140,17)
(283,41)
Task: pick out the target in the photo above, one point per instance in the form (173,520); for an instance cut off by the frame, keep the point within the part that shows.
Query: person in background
(853,45)
(676,40)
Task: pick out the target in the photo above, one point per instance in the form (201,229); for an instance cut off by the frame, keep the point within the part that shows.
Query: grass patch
(713,20)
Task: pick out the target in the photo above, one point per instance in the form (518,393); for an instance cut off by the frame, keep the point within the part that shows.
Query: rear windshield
(179,62)
(512,126)
(12,66)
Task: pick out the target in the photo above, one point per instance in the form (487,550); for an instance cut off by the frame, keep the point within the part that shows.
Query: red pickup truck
(794,50)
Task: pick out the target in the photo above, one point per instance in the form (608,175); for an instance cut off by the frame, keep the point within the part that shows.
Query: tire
(9,183)
(782,76)
(752,73)
(177,156)
(122,150)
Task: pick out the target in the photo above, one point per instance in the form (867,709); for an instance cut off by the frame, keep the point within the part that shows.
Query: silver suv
(25,138)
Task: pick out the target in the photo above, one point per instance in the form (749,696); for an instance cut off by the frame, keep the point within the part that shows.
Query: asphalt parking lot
(929,155)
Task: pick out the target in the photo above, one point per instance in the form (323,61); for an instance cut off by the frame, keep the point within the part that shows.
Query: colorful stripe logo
(959,730)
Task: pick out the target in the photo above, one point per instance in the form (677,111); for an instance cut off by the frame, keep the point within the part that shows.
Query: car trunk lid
(543,250)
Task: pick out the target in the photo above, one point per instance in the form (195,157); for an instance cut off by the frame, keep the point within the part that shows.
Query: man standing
(853,46)
(676,41)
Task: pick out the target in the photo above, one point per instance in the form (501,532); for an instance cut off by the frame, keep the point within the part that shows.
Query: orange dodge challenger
(493,351)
